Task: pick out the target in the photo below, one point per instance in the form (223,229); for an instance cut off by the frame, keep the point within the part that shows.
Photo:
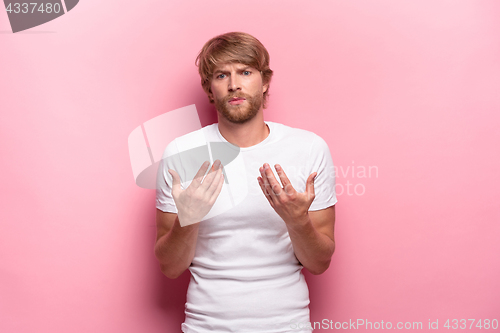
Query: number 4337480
(24,8)
(464,324)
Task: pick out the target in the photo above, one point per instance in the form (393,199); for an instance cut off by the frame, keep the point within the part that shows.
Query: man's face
(237,91)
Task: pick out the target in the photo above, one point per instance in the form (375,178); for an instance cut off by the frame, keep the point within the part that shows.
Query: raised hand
(195,202)
(290,205)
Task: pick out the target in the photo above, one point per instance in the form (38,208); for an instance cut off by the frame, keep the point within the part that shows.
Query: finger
(274,186)
(271,195)
(215,166)
(216,193)
(310,185)
(201,172)
(212,175)
(176,180)
(262,186)
(287,185)
(266,194)
(265,181)
(213,184)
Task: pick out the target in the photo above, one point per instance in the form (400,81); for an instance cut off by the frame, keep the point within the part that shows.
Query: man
(246,262)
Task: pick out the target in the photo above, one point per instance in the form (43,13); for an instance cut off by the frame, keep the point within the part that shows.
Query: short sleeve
(320,161)
(164,200)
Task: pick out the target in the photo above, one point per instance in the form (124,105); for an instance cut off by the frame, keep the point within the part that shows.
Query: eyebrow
(224,72)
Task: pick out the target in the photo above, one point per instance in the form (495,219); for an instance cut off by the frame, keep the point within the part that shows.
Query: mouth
(236,100)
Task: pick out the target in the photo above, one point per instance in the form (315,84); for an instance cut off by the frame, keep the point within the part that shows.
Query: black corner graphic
(70,4)
(32,13)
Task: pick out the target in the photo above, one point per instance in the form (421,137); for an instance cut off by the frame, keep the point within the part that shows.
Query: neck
(244,135)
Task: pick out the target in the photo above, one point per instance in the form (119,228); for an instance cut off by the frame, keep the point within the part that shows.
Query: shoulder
(296,135)
(190,140)
(204,132)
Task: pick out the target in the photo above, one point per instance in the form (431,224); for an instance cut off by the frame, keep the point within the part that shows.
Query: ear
(265,87)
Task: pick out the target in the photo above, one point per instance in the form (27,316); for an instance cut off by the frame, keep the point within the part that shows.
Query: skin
(234,79)
(311,232)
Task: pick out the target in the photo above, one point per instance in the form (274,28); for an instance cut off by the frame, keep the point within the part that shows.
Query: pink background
(410,88)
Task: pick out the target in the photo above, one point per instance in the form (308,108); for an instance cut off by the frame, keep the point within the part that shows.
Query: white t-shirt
(244,275)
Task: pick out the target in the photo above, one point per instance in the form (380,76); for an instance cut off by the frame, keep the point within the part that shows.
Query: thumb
(310,185)
(176,180)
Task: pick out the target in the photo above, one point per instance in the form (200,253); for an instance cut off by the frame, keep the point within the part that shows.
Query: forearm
(175,250)
(313,249)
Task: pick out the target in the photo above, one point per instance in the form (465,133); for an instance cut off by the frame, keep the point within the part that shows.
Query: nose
(234,83)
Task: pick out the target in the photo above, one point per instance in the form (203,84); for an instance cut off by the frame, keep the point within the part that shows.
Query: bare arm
(311,232)
(175,242)
(175,245)
(313,240)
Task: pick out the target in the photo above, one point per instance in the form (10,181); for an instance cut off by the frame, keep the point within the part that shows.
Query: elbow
(168,269)
(320,269)
(169,272)
(323,265)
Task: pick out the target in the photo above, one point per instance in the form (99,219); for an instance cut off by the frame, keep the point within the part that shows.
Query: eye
(220,76)
(247,73)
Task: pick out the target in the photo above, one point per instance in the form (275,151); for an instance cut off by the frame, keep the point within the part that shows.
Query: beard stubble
(239,114)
